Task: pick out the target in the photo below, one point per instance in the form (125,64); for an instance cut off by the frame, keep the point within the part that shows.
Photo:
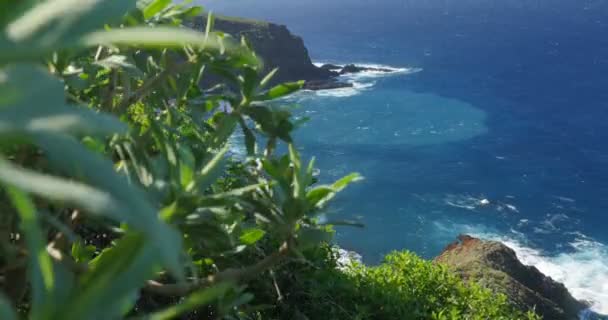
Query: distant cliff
(277,46)
(495,266)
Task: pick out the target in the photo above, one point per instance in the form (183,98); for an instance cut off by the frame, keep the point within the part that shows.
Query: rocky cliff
(277,46)
(495,266)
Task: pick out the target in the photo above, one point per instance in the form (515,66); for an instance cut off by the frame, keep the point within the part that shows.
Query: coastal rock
(331,67)
(351,68)
(276,45)
(279,48)
(326,84)
(495,266)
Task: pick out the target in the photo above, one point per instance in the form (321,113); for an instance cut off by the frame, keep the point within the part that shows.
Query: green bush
(404,286)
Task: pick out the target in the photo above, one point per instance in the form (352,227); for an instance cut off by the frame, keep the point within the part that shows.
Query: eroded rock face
(277,46)
(495,266)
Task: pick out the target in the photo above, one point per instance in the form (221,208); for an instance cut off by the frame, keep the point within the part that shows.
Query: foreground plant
(116,185)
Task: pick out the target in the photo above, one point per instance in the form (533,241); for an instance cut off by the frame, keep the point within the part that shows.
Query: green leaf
(186,167)
(33,102)
(268,77)
(299,185)
(281,91)
(82,252)
(210,24)
(211,171)
(121,62)
(310,237)
(252,236)
(59,20)
(55,24)
(318,196)
(348,223)
(345,181)
(250,143)
(53,188)
(114,277)
(6,309)
(155,7)
(111,196)
(40,266)
(157,37)
(197,299)
(126,203)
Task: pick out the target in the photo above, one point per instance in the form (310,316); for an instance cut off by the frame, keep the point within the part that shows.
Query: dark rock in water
(351,68)
(495,266)
(326,85)
(331,67)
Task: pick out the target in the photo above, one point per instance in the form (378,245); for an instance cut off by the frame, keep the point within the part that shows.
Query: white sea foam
(356,89)
(377,74)
(361,80)
(391,69)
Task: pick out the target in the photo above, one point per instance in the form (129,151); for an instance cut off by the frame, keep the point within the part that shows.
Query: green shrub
(403,287)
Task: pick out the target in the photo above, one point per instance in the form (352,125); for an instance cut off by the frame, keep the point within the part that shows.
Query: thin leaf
(197,299)
(155,7)
(318,196)
(345,181)
(252,236)
(114,277)
(32,102)
(158,37)
(348,223)
(58,20)
(211,171)
(40,266)
(281,91)
(268,77)
(131,204)
(57,24)
(250,143)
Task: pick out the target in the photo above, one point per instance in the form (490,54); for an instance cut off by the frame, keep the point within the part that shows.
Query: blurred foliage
(118,194)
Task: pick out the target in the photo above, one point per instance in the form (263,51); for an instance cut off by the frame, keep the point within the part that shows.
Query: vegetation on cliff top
(119,199)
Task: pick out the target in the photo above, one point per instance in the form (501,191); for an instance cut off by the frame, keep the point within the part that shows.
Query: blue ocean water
(494,123)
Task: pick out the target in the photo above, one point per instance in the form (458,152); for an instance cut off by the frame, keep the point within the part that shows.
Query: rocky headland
(279,48)
(496,266)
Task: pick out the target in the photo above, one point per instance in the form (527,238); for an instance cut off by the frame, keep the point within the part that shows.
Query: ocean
(494,123)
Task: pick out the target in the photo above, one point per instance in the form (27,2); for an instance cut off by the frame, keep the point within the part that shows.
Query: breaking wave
(362,81)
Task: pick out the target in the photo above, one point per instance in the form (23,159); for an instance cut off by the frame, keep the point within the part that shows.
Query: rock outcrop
(495,266)
(279,48)
(351,68)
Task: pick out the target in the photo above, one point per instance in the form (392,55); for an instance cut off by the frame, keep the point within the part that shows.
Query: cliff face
(495,266)
(277,47)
